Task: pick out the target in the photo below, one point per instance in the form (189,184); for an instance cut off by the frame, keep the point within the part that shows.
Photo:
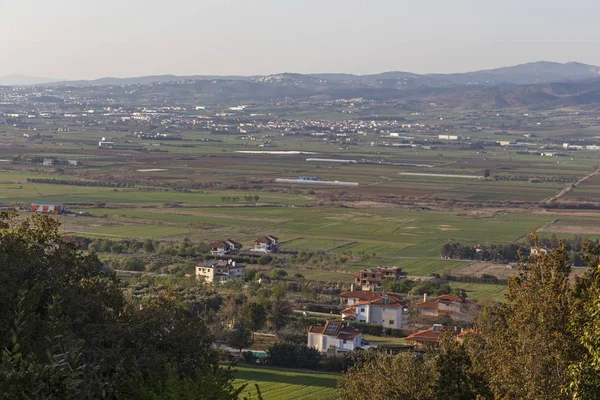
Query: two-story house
(220,271)
(371,279)
(334,336)
(386,310)
(266,244)
(447,304)
(224,247)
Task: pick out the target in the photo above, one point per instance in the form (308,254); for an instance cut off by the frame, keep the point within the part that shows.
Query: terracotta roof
(267,239)
(349,310)
(394,302)
(450,297)
(427,304)
(348,333)
(427,335)
(361,295)
(316,329)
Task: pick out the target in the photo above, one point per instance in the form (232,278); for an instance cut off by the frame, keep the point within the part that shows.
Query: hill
(530,73)
(22,80)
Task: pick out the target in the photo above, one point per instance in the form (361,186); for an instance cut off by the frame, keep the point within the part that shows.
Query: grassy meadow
(279,384)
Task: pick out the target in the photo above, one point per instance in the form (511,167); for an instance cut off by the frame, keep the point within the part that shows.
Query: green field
(409,239)
(478,291)
(278,384)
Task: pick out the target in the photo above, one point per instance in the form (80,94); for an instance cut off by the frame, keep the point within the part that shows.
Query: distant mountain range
(530,73)
(22,80)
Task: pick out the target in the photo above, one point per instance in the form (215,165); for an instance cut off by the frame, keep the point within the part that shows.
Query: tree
(279,273)
(294,356)
(377,376)
(75,336)
(280,308)
(240,337)
(486,173)
(148,246)
(457,380)
(250,275)
(528,346)
(585,325)
(254,316)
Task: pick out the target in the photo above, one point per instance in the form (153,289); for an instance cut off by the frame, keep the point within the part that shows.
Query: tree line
(72,182)
(236,199)
(511,252)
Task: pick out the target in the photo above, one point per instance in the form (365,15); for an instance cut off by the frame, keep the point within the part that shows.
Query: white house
(266,244)
(386,311)
(224,247)
(220,271)
(334,336)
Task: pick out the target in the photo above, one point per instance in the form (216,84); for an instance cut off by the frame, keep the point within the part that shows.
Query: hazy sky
(74,39)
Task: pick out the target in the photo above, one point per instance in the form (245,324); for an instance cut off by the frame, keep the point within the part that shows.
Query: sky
(75,39)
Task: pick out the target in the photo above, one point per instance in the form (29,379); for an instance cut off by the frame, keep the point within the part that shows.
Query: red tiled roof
(316,329)
(427,335)
(348,333)
(349,310)
(359,294)
(427,304)
(394,302)
(450,297)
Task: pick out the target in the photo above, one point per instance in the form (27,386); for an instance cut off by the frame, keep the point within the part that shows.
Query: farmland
(411,199)
(278,384)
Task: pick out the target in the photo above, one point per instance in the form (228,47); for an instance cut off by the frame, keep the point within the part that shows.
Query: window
(391,322)
(344,341)
(362,310)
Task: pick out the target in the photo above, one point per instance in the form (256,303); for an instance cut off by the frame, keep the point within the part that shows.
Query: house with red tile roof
(371,279)
(386,310)
(355,296)
(431,337)
(266,244)
(426,338)
(224,247)
(334,336)
(447,304)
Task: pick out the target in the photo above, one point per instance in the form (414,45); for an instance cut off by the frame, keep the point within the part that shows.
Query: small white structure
(535,251)
(334,336)
(220,271)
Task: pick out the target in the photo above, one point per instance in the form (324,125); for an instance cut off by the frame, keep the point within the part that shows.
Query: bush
(249,357)
(294,356)
(278,274)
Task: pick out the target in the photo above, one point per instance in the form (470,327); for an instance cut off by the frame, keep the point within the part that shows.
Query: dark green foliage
(398,286)
(457,379)
(148,246)
(254,315)
(279,273)
(293,356)
(69,333)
